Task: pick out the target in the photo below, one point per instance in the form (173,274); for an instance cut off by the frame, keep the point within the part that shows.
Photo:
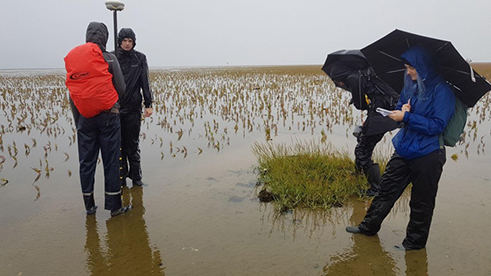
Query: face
(411,71)
(127,44)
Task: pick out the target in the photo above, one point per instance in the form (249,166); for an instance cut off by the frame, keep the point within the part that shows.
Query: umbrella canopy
(384,57)
(341,63)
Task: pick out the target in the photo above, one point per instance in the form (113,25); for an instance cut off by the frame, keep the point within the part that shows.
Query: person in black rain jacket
(135,70)
(368,93)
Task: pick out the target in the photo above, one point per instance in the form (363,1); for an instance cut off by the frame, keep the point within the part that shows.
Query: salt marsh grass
(306,174)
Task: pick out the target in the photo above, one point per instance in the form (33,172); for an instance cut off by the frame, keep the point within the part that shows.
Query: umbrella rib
(454,86)
(442,47)
(460,71)
(396,71)
(384,53)
(463,72)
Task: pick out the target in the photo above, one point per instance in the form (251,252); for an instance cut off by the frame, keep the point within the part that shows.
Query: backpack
(89,81)
(380,91)
(455,127)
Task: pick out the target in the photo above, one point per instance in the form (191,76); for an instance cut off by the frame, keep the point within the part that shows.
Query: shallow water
(199,214)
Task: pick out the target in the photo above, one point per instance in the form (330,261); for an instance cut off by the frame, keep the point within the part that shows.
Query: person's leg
(426,172)
(110,141)
(124,146)
(364,150)
(363,160)
(395,179)
(132,149)
(88,150)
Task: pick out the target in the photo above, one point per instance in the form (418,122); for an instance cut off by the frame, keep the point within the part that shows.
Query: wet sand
(199,216)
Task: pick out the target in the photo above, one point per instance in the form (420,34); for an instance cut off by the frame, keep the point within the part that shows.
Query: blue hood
(419,58)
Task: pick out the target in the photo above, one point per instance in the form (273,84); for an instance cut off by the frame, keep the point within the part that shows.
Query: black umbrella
(343,62)
(340,64)
(384,57)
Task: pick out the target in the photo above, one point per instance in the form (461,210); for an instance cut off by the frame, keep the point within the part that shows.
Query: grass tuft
(306,175)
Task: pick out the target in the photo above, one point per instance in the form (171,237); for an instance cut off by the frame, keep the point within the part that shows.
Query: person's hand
(148,111)
(406,107)
(397,115)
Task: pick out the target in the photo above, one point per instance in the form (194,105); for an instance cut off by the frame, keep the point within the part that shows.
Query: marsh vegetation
(196,111)
(306,175)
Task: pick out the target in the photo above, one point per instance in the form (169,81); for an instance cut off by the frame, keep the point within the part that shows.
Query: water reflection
(366,257)
(308,221)
(314,221)
(416,263)
(126,250)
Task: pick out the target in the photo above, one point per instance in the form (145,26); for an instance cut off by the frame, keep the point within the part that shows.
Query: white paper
(382,111)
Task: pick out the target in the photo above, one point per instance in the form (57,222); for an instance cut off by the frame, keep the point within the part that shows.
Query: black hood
(126,33)
(341,72)
(97,33)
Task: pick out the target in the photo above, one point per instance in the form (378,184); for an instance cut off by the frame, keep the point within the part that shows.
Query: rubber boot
(373,177)
(89,202)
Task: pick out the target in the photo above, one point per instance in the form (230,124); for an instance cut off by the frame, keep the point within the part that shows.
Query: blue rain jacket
(430,110)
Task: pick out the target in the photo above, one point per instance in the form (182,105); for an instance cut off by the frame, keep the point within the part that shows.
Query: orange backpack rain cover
(89,81)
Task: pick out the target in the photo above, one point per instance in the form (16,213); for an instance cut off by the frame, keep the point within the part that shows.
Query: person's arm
(444,105)
(76,114)
(357,86)
(145,84)
(115,70)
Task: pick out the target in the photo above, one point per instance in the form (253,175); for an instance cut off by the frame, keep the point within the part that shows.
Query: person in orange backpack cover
(95,82)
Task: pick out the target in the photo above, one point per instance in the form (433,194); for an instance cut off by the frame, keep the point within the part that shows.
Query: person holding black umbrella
(350,71)
(425,107)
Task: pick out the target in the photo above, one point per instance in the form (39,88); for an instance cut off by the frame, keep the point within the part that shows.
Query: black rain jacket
(135,70)
(362,83)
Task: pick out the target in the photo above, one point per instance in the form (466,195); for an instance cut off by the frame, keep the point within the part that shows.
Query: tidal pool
(199,214)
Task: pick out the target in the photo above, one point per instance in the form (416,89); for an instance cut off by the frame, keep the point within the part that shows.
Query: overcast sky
(38,34)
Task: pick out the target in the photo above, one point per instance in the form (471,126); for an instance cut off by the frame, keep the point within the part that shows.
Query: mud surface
(199,215)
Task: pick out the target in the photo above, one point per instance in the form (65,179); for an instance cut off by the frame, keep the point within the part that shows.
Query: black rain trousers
(364,149)
(130,140)
(424,173)
(100,133)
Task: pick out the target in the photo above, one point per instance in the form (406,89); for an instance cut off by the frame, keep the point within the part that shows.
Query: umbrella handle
(472,70)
